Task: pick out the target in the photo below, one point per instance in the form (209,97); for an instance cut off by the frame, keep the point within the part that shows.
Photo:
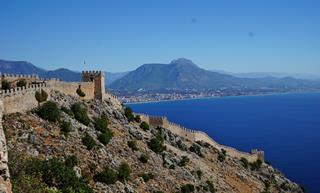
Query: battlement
(92,72)
(22,90)
(196,135)
(19,75)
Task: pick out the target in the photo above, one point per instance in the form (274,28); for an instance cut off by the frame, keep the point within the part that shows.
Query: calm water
(286,127)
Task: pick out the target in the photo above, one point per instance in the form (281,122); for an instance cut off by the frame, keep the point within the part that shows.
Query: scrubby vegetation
(146,176)
(156,144)
(67,111)
(107,176)
(187,188)
(88,141)
(222,155)
(196,149)
(255,165)
(124,171)
(128,113)
(105,137)
(41,96)
(5,85)
(144,158)
(133,145)
(38,176)
(65,127)
(101,124)
(80,113)
(80,92)
(244,162)
(145,126)
(137,118)
(49,111)
(184,161)
(21,83)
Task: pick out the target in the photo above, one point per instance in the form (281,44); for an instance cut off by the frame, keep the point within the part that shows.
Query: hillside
(184,74)
(71,154)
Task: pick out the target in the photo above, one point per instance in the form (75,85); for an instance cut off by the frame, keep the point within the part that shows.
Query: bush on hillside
(133,145)
(145,126)
(144,158)
(105,137)
(244,162)
(71,161)
(124,171)
(156,144)
(65,127)
(137,118)
(67,111)
(196,149)
(80,113)
(80,92)
(128,113)
(187,188)
(21,83)
(88,141)
(255,165)
(49,111)
(184,161)
(101,124)
(41,96)
(5,85)
(107,176)
(146,176)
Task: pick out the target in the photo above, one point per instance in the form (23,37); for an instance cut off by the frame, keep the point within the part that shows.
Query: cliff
(74,154)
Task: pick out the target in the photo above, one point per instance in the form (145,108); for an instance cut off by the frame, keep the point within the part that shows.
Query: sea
(285,126)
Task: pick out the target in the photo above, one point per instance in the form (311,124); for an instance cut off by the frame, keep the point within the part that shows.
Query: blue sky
(120,35)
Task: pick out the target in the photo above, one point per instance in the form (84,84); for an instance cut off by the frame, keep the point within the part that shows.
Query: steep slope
(180,166)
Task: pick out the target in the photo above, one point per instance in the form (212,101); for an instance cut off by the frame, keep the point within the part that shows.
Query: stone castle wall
(5,185)
(193,135)
(14,78)
(21,99)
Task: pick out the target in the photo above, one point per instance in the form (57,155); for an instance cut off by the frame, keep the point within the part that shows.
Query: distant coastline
(216,97)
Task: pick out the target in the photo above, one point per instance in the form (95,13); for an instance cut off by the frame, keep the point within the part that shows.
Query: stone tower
(97,77)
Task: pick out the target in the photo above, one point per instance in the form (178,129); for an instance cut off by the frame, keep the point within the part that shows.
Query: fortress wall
(70,88)
(14,78)
(21,99)
(193,135)
(5,185)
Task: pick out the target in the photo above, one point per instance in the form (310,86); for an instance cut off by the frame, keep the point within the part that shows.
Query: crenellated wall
(5,185)
(21,99)
(194,135)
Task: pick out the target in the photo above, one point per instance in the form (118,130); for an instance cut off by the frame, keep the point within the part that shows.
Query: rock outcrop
(180,165)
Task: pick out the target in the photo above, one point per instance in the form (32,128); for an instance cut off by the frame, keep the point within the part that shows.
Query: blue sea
(285,126)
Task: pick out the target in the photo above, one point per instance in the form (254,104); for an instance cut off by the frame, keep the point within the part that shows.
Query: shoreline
(217,97)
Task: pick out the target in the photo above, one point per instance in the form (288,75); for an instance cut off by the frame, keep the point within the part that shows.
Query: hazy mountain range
(184,74)
(22,67)
(179,74)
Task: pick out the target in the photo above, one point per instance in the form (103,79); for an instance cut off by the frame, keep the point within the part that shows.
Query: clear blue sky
(120,35)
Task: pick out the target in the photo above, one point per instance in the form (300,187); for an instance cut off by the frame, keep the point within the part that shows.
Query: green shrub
(133,145)
(144,158)
(156,144)
(49,111)
(107,176)
(195,148)
(222,155)
(41,96)
(5,85)
(105,137)
(124,171)
(244,162)
(184,161)
(80,113)
(67,111)
(144,126)
(88,141)
(211,187)
(255,165)
(146,176)
(187,188)
(137,118)
(199,173)
(128,113)
(55,173)
(80,92)
(65,127)
(21,83)
(101,124)
(71,161)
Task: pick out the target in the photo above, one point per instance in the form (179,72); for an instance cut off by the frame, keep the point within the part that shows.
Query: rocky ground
(183,166)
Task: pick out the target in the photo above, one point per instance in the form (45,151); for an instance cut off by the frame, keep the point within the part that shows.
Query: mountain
(184,74)
(22,67)
(276,75)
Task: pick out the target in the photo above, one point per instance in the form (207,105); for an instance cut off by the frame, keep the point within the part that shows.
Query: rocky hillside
(111,151)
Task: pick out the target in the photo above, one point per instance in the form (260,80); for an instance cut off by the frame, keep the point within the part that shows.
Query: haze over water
(285,126)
